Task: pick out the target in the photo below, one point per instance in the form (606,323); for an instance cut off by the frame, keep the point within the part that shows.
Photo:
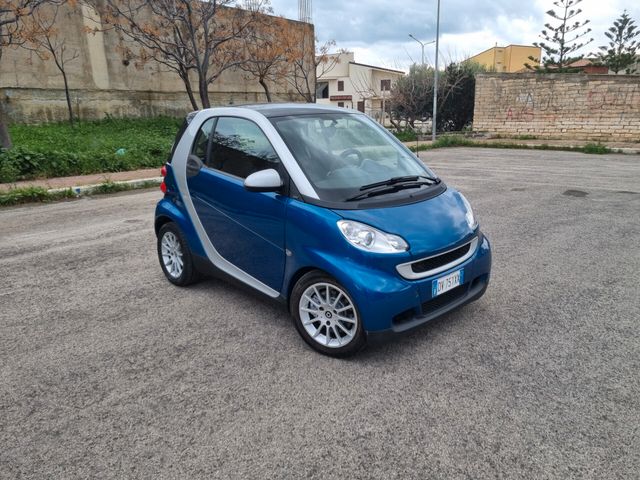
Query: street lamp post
(435,79)
(422,44)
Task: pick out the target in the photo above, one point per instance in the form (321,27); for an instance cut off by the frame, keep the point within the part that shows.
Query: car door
(246,228)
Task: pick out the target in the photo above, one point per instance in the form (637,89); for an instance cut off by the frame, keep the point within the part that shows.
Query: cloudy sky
(378,30)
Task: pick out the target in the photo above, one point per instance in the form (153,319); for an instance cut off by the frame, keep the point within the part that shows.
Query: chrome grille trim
(405,270)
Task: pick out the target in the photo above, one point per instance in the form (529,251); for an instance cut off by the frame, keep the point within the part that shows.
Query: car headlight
(371,239)
(470,217)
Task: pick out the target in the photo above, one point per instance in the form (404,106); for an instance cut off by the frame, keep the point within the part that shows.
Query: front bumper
(403,309)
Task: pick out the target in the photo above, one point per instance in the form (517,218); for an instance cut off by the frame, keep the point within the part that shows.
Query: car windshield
(341,152)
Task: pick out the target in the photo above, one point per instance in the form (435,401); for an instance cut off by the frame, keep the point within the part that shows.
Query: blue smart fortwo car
(325,210)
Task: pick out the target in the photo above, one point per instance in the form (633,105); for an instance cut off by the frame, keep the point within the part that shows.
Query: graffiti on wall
(600,98)
(524,107)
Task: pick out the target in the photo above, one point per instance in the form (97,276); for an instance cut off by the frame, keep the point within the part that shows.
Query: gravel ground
(107,370)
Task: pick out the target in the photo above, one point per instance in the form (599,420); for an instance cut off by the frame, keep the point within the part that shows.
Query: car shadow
(378,349)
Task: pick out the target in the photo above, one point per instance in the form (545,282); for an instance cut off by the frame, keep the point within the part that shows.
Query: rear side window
(181,131)
(239,147)
(201,146)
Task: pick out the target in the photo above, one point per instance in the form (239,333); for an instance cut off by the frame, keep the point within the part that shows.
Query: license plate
(446,283)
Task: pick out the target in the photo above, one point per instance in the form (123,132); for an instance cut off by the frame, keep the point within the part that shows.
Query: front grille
(440,260)
(444,299)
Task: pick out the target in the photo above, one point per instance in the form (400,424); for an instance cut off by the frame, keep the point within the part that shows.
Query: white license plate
(446,283)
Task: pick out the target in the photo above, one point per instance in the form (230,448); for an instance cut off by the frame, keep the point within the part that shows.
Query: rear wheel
(326,316)
(175,257)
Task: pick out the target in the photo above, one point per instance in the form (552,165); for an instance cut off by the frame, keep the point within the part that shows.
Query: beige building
(509,59)
(102,82)
(343,82)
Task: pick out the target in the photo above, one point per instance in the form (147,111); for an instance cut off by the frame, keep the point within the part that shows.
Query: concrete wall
(103,83)
(572,106)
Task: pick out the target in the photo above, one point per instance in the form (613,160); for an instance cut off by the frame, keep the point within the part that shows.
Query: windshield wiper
(389,188)
(396,180)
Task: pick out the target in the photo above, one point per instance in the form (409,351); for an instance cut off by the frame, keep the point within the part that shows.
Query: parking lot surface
(107,370)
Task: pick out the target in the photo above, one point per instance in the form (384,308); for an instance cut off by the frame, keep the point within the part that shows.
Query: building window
(385,85)
(340,86)
(341,104)
(322,90)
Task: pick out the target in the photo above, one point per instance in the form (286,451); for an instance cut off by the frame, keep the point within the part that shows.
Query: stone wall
(571,106)
(103,83)
(37,105)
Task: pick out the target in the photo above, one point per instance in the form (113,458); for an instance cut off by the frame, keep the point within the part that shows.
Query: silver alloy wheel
(172,254)
(328,315)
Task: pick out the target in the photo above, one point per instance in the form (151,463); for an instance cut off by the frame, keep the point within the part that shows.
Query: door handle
(194,164)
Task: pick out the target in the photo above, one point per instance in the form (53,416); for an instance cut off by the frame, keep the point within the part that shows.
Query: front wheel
(175,257)
(326,316)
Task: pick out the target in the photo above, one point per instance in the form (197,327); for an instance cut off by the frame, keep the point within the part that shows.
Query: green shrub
(452,141)
(407,135)
(596,148)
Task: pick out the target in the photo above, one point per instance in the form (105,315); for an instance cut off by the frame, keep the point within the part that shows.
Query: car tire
(175,257)
(326,316)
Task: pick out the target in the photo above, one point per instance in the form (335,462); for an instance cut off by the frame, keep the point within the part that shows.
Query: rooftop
(284,109)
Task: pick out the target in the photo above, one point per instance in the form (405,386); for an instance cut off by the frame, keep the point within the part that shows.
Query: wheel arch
(160,222)
(167,212)
(301,272)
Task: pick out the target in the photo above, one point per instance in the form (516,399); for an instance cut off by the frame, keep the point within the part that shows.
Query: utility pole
(435,79)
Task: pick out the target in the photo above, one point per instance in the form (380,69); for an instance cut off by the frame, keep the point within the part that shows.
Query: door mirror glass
(194,165)
(263,181)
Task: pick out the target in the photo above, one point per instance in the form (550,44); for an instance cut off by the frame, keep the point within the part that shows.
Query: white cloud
(377,31)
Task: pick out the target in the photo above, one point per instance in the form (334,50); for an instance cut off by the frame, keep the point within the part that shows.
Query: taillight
(163,172)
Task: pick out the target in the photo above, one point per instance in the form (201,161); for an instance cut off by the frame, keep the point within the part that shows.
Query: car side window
(240,148)
(201,144)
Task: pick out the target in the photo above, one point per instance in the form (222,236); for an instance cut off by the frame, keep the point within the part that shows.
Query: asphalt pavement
(109,371)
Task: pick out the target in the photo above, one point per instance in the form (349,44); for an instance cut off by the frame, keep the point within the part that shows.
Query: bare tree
(412,96)
(183,35)
(306,59)
(47,42)
(13,32)
(265,55)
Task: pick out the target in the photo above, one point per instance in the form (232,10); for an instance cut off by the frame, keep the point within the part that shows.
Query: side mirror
(263,181)
(194,165)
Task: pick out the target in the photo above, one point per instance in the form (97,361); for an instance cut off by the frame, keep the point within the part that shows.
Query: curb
(623,150)
(81,190)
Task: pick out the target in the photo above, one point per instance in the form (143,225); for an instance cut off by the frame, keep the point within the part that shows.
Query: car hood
(428,226)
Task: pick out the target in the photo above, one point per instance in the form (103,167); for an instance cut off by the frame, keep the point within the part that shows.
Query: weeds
(110,145)
(459,141)
(111,187)
(17,196)
(596,148)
